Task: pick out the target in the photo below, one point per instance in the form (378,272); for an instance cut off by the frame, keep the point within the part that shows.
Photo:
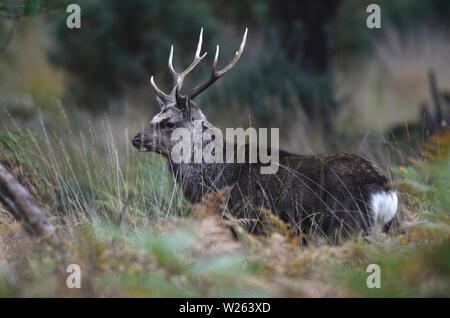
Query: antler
(179,77)
(163,97)
(215,75)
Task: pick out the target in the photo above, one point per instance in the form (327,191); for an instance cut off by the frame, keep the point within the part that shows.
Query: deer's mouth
(137,143)
(143,148)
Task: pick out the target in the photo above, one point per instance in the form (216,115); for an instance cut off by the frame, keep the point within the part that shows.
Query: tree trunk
(18,201)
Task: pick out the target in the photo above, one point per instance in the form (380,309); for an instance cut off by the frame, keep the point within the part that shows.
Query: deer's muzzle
(137,143)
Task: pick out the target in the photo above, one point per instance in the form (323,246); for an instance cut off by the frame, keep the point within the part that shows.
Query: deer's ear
(183,103)
(187,108)
(160,102)
(204,127)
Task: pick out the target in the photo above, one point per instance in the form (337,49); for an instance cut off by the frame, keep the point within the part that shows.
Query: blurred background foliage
(315,60)
(121,41)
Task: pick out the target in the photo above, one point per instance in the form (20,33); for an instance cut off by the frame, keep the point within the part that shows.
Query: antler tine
(215,75)
(163,96)
(236,57)
(179,77)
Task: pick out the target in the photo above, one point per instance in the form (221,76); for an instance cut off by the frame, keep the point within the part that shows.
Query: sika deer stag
(335,195)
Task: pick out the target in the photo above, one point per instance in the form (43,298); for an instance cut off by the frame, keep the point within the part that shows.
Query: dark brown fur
(327,194)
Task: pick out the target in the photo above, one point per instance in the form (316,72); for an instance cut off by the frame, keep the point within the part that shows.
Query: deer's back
(327,191)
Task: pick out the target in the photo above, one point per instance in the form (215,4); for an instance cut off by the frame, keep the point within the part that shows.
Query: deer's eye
(169,125)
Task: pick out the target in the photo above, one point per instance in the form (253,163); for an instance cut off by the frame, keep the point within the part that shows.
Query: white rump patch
(384,205)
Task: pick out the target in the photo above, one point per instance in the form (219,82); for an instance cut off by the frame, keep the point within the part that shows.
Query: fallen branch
(18,201)
(8,37)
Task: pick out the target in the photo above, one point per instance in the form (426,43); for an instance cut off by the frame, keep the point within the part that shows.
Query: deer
(334,195)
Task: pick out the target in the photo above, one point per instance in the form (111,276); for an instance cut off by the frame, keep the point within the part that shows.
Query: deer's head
(177,109)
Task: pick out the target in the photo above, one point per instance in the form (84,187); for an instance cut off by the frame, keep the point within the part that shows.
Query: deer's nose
(136,140)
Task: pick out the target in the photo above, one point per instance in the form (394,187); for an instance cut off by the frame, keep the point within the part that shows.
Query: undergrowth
(123,220)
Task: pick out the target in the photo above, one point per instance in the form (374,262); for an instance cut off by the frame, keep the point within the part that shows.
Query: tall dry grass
(390,87)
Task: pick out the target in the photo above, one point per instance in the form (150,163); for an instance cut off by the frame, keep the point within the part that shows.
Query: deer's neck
(197,179)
